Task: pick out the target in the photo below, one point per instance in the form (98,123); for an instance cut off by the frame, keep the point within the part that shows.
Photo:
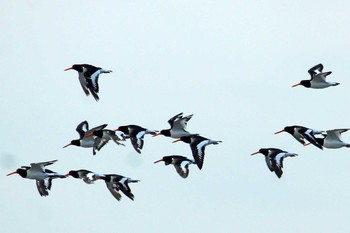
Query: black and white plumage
(198,144)
(332,139)
(180,163)
(318,79)
(178,125)
(274,159)
(87,142)
(136,134)
(88,78)
(104,136)
(87,176)
(42,176)
(300,133)
(116,183)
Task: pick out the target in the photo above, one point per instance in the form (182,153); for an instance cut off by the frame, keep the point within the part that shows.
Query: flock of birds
(329,139)
(97,137)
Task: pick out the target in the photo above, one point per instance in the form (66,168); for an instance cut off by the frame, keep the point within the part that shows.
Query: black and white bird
(87,142)
(198,144)
(178,125)
(136,134)
(332,139)
(87,176)
(274,159)
(105,135)
(88,78)
(116,183)
(180,163)
(43,177)
(300,133)
(318,79)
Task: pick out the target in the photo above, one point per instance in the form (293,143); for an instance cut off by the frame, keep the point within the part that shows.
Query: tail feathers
(347,145)
(106,71)
(327,73)
(335,84)
(133,181)
(216,142)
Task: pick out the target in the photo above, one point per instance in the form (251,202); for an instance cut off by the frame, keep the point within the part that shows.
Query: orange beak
(306,144)
(67,145)
(67,175)
(156,134)
(280,131)
(255,153)
(15,172)
(296,85)
(177,140)
(158,161)
(68,68)
(117,129)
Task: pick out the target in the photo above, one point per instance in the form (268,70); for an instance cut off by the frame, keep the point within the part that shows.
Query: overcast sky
(230,63)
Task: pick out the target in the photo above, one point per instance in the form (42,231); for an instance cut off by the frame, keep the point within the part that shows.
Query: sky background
(230,63)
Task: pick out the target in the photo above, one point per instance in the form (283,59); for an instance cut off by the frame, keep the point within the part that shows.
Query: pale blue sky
(230,63)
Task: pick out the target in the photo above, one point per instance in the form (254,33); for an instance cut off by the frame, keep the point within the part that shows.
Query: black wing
(43,186)
(312,71)
(82,128)
(171,120)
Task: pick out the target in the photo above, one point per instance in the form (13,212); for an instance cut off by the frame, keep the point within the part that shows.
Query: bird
(87,142)
(197,144)
(300,133)
(274,159)
(88,77)
(318,79)
(104,136)
(136,134)
(178,125)
(116,182)
(180,163)
(43,177)
(87,176)
(332,139)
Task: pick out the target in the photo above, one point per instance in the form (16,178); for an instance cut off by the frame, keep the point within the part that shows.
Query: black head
(20,171)
(305,83)
(124,129)
(106,178)
(73,174)
(167,160)
(77,67)
(263,151)
(75,142)
(165,132)
(289,129)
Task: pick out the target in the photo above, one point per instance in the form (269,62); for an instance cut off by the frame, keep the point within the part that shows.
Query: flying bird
(136,134)
(178,125)
(198,144)
(274,159)
(332,139)
(318,79)
(88,78)
(87,176)
(115,183)
(300,133)
(180,163)
(87,142)
(104,135)
(43,177)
